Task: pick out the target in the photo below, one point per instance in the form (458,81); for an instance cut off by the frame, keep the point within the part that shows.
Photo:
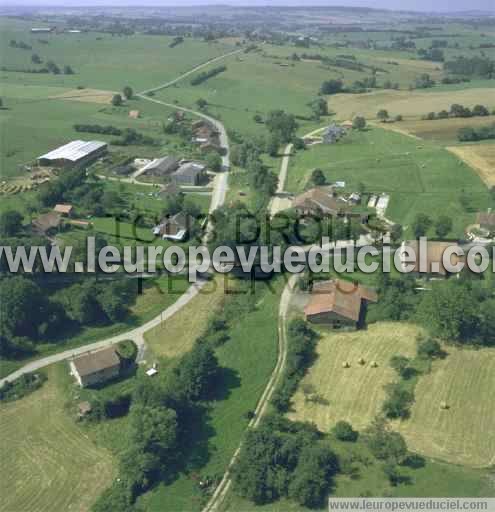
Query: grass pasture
(419,176)
(47,463)
(247,359)
(177,335)
(410,104)
(102,61)
(354,394)
(481,157)
(463,434)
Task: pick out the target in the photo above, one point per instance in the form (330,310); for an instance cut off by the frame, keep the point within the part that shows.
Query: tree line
(458,110)
(205,75)
(471,134)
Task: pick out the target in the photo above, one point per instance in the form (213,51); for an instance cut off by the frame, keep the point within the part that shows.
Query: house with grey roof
(190,173)
(95,367)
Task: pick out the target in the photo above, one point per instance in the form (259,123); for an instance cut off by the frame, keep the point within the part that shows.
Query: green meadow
(419,176)
(102,61)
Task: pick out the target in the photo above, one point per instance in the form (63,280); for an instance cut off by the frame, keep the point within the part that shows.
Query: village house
(65,210)
(339,303)
(134,114)
(317,201)
(190,173)
(486,221)
(174,227)
(95,367)
(427,260)
(160,166)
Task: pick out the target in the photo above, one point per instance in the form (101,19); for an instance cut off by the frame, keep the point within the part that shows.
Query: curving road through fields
(217,200)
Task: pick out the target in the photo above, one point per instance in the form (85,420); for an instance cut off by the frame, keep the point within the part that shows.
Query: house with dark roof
(95,367)
(174,227)
(160,166)
(317,201)
(339,303)
(190,173)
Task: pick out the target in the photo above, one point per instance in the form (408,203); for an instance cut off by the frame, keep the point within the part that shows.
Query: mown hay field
(353,394)
(47,463)
(464,433)
(176,335)
(443,131)
(409,104)
(481,157)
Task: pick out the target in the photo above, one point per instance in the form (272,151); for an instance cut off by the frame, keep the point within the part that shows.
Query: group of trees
(247,154)
(475,66)
(455,310)
(161,412)
(131,137)
(300,354)
(434,54)
(422,224)
(282,125)
(457,110)
(97,128)
(205,75)
(20,45)
(384,116)
(423,81)
(30,316)
(73,187)
(470,134)
(176,41)
(284,459)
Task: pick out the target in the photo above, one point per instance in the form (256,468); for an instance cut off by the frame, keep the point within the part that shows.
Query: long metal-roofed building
(75,153)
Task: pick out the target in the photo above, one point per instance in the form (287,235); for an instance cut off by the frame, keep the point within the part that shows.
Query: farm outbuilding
(160,166)
(75,153)
(95,367)
(339,303)
(190,173)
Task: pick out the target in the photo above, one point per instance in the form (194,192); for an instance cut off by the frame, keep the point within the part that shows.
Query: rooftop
(340,297)
(94,362)
(74,151)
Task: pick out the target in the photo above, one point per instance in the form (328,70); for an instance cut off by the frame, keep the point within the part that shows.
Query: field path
(223,487)
(280,201)
(220,188)
(190,72)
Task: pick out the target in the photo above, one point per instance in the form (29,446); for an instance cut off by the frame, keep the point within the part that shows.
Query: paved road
(223,487)
(281,200)
(218,198)
(137,335)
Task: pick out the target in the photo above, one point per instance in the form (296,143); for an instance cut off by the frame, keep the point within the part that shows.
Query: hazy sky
(416,5)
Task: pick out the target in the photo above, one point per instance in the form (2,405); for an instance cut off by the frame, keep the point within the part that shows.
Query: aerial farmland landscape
(247,256)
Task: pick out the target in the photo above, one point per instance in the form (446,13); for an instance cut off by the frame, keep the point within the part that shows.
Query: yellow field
(441,130)
(410,104)
(465,433)
(354,394)
(87,96)
(177,335)
(46,462)
(481,157)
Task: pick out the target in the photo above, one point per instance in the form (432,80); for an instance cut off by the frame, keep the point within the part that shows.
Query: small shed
(134,114)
